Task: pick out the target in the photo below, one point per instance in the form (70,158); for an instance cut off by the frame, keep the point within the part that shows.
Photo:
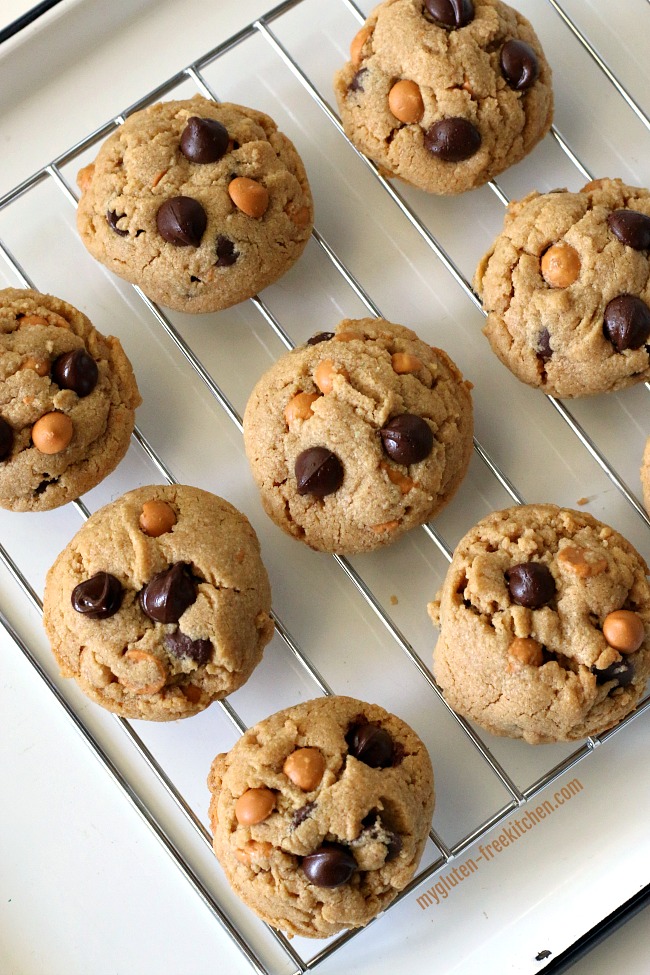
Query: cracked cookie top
(544,621)
(200,204)
(566,286)
(320,814)
(160,603)
(445,94)
(358,435)
(67,402)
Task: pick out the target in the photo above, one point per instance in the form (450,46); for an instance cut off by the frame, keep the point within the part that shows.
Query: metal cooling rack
(265,29)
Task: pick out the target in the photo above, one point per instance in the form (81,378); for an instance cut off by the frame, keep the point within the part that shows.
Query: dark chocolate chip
(180,645)
(98,597)
(300,815)
(169,593)
(519,65)
(544,350)
(626,322)
(182,221)
(331,865)
(531,584)
(77,371)
(622,672)
(226,253)
(6,439)
(320,337)
(318,472)
(111,218)
(204,140)
(371,745)
(407,438)
(452,139)
(451,13)
(631,228)
(394,847)
(357,82)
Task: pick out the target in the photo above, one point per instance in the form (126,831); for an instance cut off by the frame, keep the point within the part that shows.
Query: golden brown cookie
(445,94)
(67,402)
(320,814)
(566,286)
(358,436)
(160,603)
(200,204)
(645,475)
(544,621)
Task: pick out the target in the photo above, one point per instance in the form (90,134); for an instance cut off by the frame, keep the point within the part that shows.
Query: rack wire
(445,852)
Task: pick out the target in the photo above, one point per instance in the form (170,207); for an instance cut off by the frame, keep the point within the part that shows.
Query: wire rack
(504,775)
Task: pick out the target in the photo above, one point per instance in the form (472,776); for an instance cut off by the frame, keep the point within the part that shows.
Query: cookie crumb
(394,600)
(582,501)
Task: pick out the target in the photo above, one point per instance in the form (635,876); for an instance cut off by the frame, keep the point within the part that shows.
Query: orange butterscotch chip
(348,337)
(356,46)
(403,482)
(560,265)
(146,675)
(85,177)
(524,651)
(404,362)
(326,372)
(305,768)
(249,196)
(254,850)
(52,433)
(299,407)
(299,215)
(405,101)
(582,562)
(40,366)
(385,526)
(254,806)
(157,518)
(624,630)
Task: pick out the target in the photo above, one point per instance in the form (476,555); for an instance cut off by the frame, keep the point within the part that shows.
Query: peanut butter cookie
(645,475)
(67,402)
(358,436)
(544,621)
(445,94)
(160,603)
(200,204)
(320,814)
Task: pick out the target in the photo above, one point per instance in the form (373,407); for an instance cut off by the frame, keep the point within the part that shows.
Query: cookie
(544,620)
(445,94)
(67,402)
(160,603)
(199,204)
(645,475)
(566,288)
(320,814)
(358,436)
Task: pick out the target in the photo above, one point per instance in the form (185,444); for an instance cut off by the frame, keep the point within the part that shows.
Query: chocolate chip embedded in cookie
(544,620)
(67,402)
(320,814)
(566,288)
(200,204)
(445,95)
(160,603)
(358,435)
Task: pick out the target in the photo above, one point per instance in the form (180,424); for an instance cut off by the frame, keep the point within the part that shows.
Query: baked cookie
(358,436)
(544,621)
(200,204)
(320,814)
(645,475)
(67,402)
(566,288)
(160,603)
(445,94)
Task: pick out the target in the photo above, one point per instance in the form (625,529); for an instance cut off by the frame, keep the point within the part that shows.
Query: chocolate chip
(631,228)
(451,13)
(371,745)
(519,65)
(544,350)
(300,815)
(531,584)
(169,593)
(394,847)
(98,597)
(331,865)
(181,221)
(357,82)
(111,218)
(626,322)
(77,371)
(318,472)
(452,139)
(320,337)
(407,438)
(180,645)
(622,672)
(226,253)
(6,439)
(204,140)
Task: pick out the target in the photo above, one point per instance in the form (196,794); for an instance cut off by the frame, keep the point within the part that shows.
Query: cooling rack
(353,625)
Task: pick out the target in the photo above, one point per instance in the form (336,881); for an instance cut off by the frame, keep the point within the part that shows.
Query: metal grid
(263,28)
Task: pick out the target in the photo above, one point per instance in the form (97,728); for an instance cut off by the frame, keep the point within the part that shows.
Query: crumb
(394,600)
(582,501)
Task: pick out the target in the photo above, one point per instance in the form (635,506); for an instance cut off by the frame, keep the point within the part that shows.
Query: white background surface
(84,886)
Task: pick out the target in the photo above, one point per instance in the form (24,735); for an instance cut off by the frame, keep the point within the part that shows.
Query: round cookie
(566,288)
(358,436)
(199,204)
(544,620)
(645,475)
(160,603)
(320,814)
(67,402)
(445,94)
